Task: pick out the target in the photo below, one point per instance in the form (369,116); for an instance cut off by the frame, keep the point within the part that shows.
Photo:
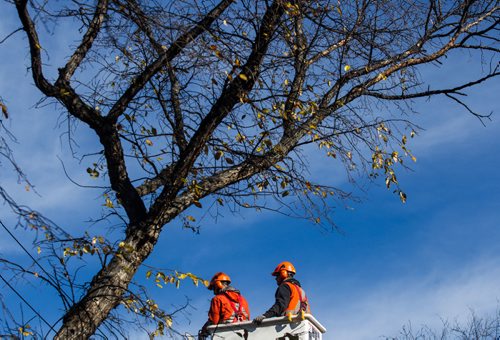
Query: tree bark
(108,286)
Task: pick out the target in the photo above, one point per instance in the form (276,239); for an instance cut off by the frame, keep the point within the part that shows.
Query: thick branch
(178,125)
(118,175)
(62,91)
(177,46)
(95,26)
(238,88)
(35,48)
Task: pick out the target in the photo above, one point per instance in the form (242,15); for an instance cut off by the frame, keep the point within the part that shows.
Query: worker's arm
(215,311)
(282,296)
(203,332)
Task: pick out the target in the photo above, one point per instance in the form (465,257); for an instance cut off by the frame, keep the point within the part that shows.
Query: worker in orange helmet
(290,298)
(227,306)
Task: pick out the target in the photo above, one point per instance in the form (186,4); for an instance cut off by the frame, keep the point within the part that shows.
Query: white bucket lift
(277,328)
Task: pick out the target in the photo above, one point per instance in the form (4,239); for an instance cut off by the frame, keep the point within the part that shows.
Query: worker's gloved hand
(258,319)
(203,334)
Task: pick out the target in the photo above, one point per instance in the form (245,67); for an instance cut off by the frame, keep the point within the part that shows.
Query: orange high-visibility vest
(298,300)
(228,307)
(240,313)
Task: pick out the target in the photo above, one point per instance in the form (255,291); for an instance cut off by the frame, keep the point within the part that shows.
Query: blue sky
(435,257)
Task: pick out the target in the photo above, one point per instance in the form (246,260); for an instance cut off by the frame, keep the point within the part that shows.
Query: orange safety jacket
(228,307)
(298,300)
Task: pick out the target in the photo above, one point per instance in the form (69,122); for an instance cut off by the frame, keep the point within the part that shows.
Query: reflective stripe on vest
(239,312)
(298,300)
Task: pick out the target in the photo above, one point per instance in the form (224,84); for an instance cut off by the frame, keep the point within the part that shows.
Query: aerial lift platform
(298,327)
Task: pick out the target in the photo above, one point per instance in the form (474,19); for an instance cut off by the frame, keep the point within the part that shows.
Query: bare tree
(191,99)
(476,327)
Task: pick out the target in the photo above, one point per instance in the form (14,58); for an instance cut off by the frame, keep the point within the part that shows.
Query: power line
(50,279)
(49,276)
(43,269)
(27,303)
(25,250)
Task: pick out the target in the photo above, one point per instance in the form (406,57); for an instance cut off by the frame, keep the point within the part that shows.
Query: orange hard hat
(283,268)
(217,279)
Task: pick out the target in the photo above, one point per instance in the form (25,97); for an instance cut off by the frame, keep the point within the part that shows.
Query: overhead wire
(25,250)
(49,276)
(43,269)
(27,303)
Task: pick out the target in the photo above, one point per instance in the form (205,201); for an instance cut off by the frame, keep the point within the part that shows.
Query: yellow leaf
(38,250)
(242,76)
(347,68)
(149,142)
(191,218)
(109,203)
(395,156)
(402,196)
(4,110)
(218,154)
(168,321)
(64,92)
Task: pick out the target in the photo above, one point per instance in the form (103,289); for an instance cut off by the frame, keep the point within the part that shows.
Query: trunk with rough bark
(107,287)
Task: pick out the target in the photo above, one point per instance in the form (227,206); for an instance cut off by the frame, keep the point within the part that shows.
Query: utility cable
(25,250)
(27,303)
(43,269)
(34,260)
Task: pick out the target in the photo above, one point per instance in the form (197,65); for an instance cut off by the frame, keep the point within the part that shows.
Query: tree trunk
(108,286)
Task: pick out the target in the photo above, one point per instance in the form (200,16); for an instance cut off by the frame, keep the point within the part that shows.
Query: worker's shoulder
(228,294)
(291,282)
